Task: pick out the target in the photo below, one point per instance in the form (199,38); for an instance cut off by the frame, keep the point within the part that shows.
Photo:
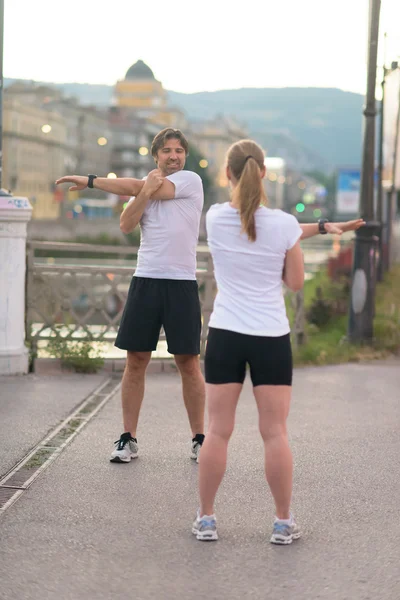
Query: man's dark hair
(167,134)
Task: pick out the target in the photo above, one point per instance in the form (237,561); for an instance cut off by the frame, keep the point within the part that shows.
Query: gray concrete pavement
(32,405)
(90,528)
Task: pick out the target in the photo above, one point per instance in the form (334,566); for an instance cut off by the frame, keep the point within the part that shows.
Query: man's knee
(188,364)
(137,361)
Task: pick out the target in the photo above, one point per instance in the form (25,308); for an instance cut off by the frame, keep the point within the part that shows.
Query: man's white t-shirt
(249,274)
(170,231)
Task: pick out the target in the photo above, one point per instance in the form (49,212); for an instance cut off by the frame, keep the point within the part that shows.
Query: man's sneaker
(205,528)
(284,533)
(126,448)
(197,443)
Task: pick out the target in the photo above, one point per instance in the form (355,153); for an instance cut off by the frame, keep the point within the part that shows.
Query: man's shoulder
(186,176)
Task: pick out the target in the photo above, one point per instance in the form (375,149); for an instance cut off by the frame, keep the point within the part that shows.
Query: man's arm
(312,229)
(121,186)
(132,214)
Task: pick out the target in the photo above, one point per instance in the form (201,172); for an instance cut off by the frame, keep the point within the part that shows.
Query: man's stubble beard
(171,170)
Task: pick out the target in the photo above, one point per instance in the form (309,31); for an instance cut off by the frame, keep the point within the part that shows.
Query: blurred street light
(46,128)
(102,141)
(111,176)
(203,163)
(143,151)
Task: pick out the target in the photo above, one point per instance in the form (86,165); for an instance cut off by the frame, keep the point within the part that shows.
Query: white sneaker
(205,528)
(284,533)
(126,448)
(196,447)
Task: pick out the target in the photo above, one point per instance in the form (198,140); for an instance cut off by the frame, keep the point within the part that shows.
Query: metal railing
(83,298)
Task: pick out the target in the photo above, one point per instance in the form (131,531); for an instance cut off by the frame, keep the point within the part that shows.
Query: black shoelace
(123,440)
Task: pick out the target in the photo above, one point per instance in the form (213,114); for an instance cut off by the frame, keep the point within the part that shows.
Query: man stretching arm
(163,291)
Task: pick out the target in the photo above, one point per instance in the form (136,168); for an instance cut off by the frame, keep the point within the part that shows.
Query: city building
(87,143)
(34,154)
(274,181)
(213,138)
(140,93)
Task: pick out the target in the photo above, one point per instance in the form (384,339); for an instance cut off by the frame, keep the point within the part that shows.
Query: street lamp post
(362,303)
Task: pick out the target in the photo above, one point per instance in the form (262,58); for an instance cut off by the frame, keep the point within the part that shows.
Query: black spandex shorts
(228,353)
(154,303)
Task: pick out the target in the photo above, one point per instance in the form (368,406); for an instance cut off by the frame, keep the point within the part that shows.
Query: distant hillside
(310,127)
(318,124)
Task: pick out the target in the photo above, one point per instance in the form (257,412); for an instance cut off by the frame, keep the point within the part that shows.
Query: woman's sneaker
(126,448)
(197,442)
(284,533)
(205,528)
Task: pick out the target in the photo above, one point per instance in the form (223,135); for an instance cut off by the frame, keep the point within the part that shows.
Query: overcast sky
(194,46)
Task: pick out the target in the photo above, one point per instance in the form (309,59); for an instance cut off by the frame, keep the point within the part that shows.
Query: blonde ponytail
(245,160)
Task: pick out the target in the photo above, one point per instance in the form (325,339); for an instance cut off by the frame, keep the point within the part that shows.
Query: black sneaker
(126,448)
(197,443)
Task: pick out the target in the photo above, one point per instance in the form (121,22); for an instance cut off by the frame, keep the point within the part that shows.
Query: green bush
(77,355)
(329,302)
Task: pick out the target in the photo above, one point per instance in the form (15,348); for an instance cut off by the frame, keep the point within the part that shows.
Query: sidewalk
(91,529)
(33,404)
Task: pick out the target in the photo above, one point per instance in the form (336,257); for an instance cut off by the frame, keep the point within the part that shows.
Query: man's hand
(153,182)
(80,182)
(339,228)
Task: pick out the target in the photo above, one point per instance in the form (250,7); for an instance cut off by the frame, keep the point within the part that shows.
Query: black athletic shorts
(228,353)
(154,303)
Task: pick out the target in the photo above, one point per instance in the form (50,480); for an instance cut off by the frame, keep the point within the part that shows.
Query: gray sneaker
(284,533)
(126,448)
(205,528)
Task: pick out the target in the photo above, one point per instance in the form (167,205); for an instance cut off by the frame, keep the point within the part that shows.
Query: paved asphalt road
(91,529)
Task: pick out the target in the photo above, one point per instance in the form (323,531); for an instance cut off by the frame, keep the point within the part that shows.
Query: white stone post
(14,216)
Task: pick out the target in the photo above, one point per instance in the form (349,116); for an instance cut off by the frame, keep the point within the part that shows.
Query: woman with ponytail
(254,248)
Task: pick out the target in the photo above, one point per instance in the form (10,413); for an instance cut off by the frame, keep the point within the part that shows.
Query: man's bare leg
(132,390)
(193,388)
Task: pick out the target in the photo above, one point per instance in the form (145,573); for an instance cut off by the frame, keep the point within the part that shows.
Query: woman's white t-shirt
(249,274)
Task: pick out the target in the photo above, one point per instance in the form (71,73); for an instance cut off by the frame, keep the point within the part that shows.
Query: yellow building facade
(145,96)
(140,89)
(34,144)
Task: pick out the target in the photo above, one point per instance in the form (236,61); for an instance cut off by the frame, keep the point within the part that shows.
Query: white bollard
(14,216)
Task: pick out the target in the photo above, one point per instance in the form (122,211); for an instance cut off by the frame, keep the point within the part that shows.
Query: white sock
(205,516)
(285,521)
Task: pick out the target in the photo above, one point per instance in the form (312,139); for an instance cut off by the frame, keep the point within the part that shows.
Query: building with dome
(141,93)
(140,90)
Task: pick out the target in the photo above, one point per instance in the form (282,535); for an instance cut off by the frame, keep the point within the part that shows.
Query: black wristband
(91,178)
(321,226)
